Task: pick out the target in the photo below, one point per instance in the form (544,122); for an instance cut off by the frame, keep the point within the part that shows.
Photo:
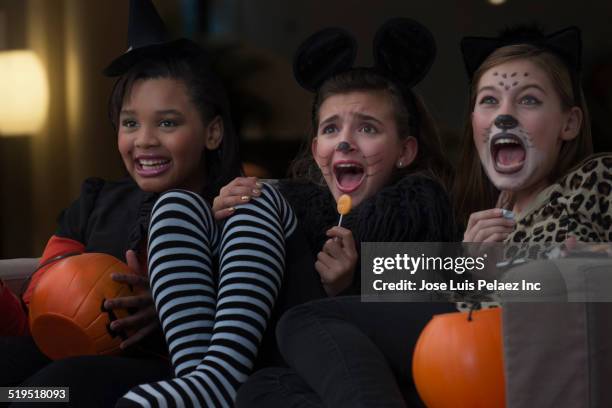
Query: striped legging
(212,324)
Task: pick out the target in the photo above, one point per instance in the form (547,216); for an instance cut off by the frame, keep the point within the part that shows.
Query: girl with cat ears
(528,128)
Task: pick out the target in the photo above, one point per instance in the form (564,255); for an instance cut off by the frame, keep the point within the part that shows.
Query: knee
(293,320)
(308,315)
(292,327)
(178,194)
(270,198)
(307,323)
(175,198)
(184,210)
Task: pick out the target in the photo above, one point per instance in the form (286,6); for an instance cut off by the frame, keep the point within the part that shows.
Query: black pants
(93,381)
(343,353)
(19,359)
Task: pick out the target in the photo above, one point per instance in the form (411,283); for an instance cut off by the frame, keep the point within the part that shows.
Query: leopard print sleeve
(577,205)
(603,218)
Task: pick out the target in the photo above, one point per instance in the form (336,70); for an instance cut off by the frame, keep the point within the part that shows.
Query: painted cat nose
(344,147)
(506,122)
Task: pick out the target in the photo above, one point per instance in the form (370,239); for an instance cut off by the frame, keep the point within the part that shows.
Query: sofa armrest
(14,272)
(560,354)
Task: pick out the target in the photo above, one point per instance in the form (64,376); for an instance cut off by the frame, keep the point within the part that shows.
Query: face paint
(517,123)
(512,81)
(508,145)
(506,122)
(343,147)
(357,145)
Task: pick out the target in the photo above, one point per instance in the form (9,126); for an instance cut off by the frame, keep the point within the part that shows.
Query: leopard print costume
(578,205)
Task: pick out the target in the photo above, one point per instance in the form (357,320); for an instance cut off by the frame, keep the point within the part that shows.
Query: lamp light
(24,93)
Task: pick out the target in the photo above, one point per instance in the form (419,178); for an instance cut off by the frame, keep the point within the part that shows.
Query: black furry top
(414,209)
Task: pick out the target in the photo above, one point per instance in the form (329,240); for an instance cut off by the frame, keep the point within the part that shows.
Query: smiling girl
(171,117)
(160,136)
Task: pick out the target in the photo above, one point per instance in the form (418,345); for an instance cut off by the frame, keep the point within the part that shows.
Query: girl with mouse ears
(525,174)
(371,140)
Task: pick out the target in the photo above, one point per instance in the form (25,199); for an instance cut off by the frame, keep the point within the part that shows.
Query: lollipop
(344,206)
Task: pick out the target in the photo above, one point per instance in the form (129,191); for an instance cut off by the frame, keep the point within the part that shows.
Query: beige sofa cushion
(14,272)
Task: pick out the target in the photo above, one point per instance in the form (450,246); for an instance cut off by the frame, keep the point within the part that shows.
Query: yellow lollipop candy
(344,204)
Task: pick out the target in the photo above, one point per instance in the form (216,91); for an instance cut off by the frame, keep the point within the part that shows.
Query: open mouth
(349,176)
(508,153)
(152,167)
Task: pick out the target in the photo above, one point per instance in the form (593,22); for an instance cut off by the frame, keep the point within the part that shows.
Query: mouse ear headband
(323,55)
(404,51)
(566,44)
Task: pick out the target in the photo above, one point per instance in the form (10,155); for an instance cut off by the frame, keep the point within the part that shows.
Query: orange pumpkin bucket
(66,313)
(458,361)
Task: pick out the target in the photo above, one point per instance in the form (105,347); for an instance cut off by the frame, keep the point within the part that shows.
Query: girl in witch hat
(174,131)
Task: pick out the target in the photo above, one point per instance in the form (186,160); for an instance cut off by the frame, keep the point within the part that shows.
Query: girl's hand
(488,226)
(144,321)
(238,191)
(336,261)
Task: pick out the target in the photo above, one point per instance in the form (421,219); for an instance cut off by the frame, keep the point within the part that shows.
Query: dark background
(254,40)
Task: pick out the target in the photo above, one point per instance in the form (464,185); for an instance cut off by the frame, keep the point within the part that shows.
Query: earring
(400,164)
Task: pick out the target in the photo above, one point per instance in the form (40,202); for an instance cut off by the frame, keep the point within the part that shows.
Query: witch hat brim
(170,49)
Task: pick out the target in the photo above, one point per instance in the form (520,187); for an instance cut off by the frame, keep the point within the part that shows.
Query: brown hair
(473,191)
(429,160)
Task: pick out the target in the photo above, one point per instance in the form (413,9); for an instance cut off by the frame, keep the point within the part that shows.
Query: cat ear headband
(404,51)
(566,44)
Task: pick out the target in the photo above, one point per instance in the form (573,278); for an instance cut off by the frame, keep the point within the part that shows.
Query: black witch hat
(148,37)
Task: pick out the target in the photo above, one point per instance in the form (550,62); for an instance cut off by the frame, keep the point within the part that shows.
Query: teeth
(506,140)
(347,166)
(152,162)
